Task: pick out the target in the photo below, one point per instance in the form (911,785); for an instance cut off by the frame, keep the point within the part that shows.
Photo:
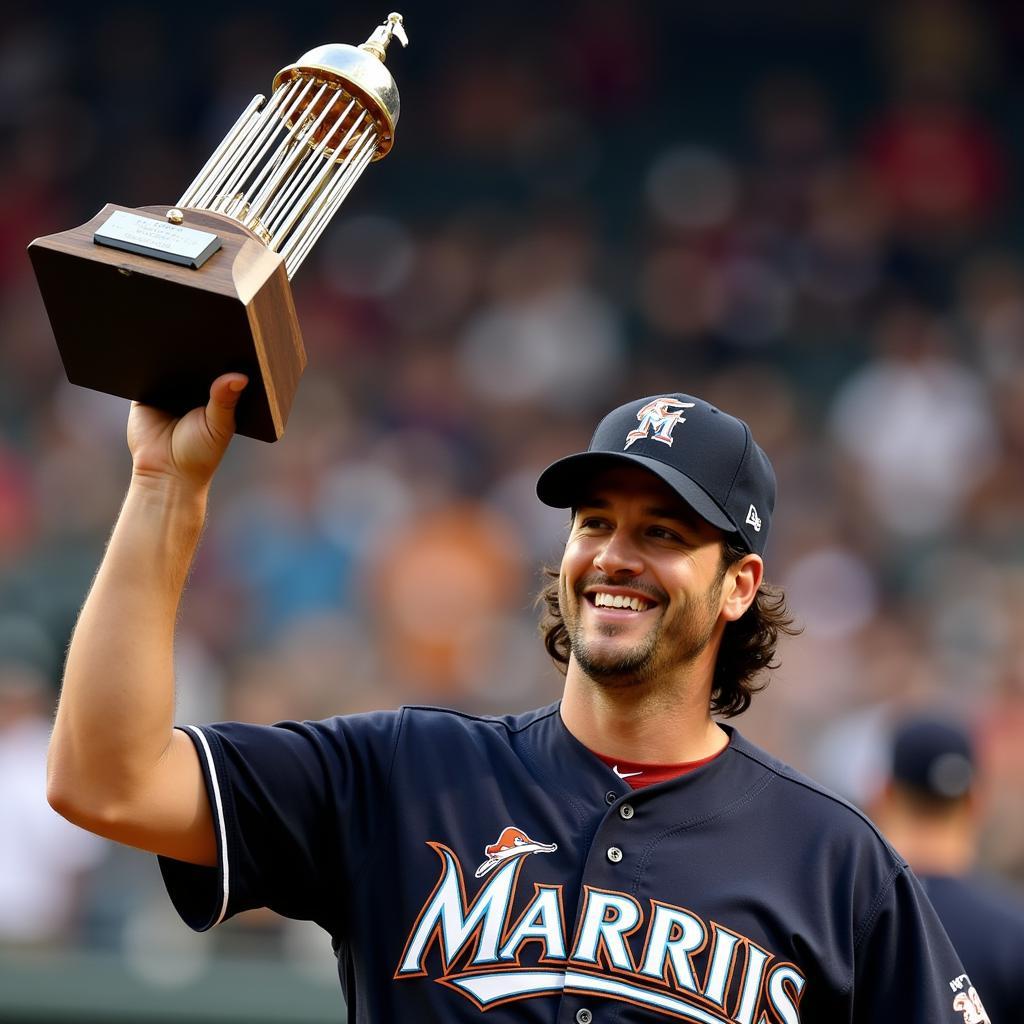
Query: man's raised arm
(116,765)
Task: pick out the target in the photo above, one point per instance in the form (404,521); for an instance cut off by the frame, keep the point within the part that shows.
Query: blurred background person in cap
(929,810)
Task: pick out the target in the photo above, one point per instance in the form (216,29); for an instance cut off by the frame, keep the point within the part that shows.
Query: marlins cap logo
(512,842)
(660,415)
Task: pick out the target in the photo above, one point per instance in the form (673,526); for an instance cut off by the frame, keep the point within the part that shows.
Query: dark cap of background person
(706,456)
(933,756)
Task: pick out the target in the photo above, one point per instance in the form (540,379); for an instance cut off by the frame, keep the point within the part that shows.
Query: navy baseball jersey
(494,869)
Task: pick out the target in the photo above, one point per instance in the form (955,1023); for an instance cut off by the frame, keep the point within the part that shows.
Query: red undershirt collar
(638,774)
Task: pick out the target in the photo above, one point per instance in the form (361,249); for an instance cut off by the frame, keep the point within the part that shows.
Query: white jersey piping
(222,834)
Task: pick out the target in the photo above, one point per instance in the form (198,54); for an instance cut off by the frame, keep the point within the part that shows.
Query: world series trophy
(153,303)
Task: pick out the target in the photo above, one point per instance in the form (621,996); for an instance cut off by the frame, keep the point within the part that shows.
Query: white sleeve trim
(222,833)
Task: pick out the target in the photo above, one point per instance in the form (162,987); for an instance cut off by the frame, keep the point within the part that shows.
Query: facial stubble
(665,644)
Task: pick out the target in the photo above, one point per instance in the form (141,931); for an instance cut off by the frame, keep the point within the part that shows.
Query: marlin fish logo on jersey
(662,415)
(513,842)
(501,945)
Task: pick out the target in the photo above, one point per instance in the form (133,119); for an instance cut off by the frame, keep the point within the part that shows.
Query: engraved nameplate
(148,236)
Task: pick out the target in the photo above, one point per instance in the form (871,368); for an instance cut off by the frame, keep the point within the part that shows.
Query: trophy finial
(377,44)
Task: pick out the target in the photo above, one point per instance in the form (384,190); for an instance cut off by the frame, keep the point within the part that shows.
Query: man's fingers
(224,395)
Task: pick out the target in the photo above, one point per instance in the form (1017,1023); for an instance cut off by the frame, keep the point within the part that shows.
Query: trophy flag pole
(154,303)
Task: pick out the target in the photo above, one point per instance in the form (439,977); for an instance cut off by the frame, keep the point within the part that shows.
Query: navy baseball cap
(934,756)
(706,456)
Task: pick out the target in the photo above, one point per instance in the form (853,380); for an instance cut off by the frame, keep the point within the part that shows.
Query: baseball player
(618,856)
(928,809)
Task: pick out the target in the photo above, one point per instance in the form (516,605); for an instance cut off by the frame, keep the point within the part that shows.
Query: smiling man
(624,627)
(618,856)
(644,594)
(660,614)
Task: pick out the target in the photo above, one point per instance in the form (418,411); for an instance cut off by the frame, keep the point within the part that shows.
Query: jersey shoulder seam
(871,916)
(783,771)
(532,717)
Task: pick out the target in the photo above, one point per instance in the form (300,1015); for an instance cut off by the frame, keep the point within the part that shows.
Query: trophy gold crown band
(287,163)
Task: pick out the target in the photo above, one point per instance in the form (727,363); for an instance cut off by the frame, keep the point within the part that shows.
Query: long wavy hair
(748,644)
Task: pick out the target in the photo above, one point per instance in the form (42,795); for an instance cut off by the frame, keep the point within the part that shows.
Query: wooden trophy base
(142,328)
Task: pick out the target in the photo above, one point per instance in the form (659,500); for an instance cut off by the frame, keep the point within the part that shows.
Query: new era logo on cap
(706,456)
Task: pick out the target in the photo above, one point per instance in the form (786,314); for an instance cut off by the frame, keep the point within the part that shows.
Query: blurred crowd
(812,219)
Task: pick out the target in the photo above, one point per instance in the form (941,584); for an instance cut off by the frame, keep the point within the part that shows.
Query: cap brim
(562,484)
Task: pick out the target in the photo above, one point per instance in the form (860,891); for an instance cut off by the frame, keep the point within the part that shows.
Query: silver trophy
(154,303)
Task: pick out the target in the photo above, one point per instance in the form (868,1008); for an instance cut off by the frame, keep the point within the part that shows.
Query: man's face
(641,579)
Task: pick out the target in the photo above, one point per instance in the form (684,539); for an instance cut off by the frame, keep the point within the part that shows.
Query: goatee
(665,644)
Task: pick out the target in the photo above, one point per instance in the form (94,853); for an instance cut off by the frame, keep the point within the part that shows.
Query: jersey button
(614,854)
(610,797)
(626,811)
(584,1016)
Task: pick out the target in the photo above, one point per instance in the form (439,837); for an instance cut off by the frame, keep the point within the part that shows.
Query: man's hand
(185,450)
